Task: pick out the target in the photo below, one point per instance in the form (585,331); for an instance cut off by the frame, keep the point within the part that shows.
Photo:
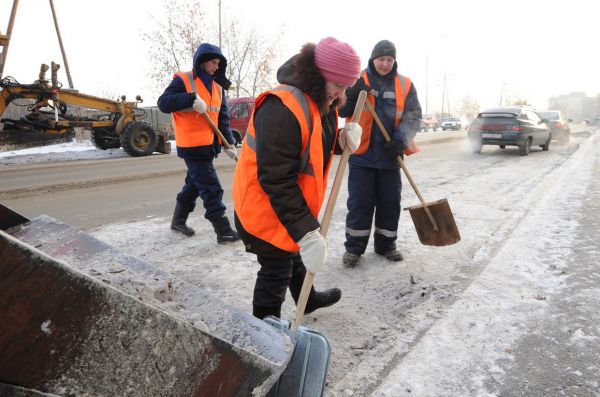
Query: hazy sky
(526,49)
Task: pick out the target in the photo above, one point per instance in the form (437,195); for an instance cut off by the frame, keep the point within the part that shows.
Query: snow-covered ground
(77,150)
(447,321)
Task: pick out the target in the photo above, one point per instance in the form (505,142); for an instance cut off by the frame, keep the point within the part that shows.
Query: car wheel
(546,146)
(525,148)
(502,146)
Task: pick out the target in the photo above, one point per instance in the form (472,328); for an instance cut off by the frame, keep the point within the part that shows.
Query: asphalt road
(88,194)
(91,193)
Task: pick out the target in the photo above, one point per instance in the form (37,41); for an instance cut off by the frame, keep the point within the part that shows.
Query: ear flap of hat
(222,80)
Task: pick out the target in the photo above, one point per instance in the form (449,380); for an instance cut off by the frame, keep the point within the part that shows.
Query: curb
(422,139)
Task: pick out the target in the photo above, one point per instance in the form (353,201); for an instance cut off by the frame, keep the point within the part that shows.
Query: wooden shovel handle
(327,215)
(218,132)
(403,166)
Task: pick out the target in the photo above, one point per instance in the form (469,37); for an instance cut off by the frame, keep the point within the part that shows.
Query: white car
(452,123)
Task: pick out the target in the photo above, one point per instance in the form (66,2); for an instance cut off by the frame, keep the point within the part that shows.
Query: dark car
(558,125)
(509,126)
(240,110)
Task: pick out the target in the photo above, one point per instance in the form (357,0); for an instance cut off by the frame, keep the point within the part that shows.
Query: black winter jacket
(278,152)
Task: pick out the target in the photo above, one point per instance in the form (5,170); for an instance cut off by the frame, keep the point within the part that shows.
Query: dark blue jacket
(376,156)
(175,98)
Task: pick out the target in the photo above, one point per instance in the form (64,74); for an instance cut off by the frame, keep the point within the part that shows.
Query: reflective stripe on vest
(191,129)
(401,88)
(252,205)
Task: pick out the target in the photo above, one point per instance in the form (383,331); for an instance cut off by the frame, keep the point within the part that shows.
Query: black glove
(394,147)
(352,92)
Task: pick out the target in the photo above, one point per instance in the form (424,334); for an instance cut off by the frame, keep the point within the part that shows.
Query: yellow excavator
(113,124)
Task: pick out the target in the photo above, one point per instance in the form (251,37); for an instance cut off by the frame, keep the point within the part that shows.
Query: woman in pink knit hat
(280,179)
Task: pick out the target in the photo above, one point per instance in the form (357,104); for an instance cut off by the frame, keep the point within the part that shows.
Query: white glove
(351,135)
(199,105)
(232,153)
(313,251)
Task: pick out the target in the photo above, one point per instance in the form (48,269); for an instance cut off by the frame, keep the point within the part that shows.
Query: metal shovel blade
(81,316)
(306,371)
(447,232)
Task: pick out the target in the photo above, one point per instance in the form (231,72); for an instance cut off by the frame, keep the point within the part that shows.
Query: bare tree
(176,35)
(520,101)
(174,38)
(469,107)
(251,60)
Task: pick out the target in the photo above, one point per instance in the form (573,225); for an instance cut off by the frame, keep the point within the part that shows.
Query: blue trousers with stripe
(202,181)
(372,191)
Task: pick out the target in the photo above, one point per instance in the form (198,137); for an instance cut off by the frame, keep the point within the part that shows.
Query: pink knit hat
(337,61)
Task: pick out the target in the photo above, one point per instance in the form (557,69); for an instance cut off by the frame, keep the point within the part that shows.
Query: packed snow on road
(446,320)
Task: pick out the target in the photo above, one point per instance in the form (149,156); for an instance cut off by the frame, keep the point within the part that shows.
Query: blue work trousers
(202,180)
(372,191)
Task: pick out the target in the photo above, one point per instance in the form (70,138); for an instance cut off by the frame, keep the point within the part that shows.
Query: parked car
(240,110)
(510,126)
(429,122)
(452,123)
(558,125)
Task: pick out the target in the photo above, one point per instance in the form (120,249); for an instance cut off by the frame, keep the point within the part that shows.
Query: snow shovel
(433,221)
(218,133)
(306,372)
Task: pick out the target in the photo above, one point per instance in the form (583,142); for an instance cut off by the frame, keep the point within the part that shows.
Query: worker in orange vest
(281,178)
(190,97)
(374,184)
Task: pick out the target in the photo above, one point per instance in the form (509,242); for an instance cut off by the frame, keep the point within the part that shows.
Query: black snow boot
(350,260)
(180,216)
(225,234)
(393,255)
(264,311)
(316,300)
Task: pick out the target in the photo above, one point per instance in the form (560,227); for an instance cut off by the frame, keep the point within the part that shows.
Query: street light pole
(443,96)
(426,84)
(219,23)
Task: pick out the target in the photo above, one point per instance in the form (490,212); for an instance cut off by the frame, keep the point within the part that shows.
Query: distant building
(576,106)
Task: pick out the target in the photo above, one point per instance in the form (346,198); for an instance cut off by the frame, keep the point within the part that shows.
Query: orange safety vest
(401,87)
(191,129)
(250,202)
